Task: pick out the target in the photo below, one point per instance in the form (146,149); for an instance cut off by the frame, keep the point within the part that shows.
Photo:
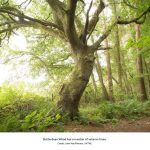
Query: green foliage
(25,111)
(60,127)
(38,121)
(112,112)
(125,109)
(10,123)
(7,94)
(90,96)
(49,56)
(143,44)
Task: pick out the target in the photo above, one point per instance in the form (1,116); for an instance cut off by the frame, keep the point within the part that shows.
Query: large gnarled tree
(67,25)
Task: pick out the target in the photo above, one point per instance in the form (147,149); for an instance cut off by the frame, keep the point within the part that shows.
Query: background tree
(142,88)
(100,76)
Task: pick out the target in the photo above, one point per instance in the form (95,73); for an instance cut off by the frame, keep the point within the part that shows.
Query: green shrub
(24,111)
(10,124)
(112,112)
(7,95)
(37,121)
(123,109)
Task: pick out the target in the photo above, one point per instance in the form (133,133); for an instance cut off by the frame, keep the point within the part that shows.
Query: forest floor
(141,125)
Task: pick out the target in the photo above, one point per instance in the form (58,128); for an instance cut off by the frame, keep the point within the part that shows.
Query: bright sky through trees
(13,74)
(18,41)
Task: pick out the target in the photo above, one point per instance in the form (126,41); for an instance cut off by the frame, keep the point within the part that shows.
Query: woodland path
(142,125)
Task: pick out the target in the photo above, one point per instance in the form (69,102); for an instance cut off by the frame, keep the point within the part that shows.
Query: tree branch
(11,28)
(59,11)
(22,16)
(121,22)
(71,15)
(70,29)
(104,48)
(95,17)
(87,23)
(104,36)
(18,20)
(126,2)
(134,20)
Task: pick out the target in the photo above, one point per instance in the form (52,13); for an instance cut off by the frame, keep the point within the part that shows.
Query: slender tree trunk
(140,70)
(148,75)
(73,89)
(94,84)
(109,73)
(127,84)
(117,47)
(99,72)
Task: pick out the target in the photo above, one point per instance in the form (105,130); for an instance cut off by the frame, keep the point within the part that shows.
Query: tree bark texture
(100,76)
(140,70)
(73,89)
(94,85)
(117,47)
(109,70)
(109,73)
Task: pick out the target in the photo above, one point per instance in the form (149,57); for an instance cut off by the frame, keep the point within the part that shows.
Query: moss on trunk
(72,90)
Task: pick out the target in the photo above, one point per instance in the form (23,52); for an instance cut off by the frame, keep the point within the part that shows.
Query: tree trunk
(140,70)
(147,74)
(127,84)
(109,73)
(117,47)
(73,89)
(94,84)
(99,72)
(109,70)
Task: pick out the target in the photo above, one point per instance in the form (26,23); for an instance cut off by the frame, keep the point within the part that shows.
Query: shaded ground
(142,125)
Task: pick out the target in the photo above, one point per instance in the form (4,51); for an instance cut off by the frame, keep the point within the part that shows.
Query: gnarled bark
(73,89)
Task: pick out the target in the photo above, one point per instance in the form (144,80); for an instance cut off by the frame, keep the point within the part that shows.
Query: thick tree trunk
(73,89)
(140,70)
(99,72)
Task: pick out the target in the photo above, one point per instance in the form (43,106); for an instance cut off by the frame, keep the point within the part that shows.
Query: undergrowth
(113,112)
(25,111)
(22,111)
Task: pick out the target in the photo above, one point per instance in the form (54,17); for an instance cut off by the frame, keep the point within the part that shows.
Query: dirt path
(142,125)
